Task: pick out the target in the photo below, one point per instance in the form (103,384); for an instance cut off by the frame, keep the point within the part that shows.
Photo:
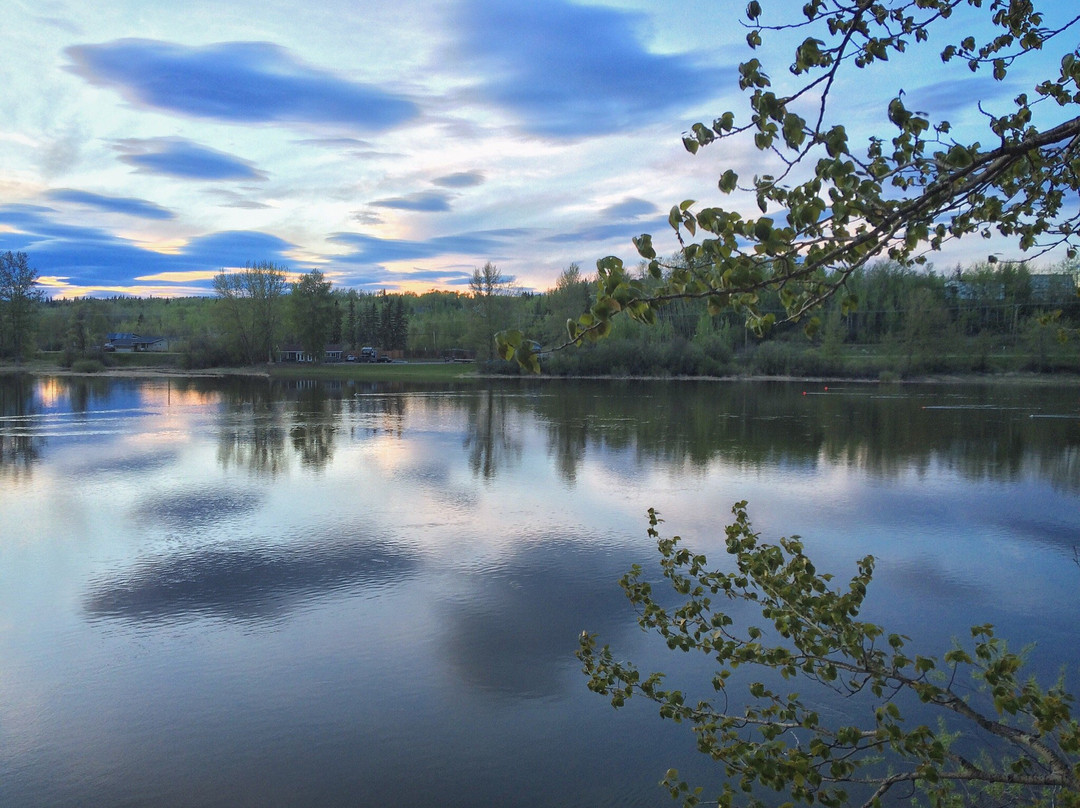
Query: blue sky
(145,146)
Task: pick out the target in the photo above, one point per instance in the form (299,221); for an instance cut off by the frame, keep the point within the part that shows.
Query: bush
(202,352)
(772,359)
(87,366)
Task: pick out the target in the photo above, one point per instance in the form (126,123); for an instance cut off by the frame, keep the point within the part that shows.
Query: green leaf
(959,157)
(644,246)
(763,228)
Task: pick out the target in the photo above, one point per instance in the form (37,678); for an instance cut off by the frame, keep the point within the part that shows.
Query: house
(295,353)
(129,343)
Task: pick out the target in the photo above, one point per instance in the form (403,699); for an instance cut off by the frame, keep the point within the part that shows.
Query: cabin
(296,353)
(133,343)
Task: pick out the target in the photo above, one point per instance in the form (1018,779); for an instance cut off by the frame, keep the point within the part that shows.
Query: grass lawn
(151,363)
(391,372)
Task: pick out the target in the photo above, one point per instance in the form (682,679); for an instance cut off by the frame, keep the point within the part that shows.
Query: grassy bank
(780,360)
(375,372)
(47,363)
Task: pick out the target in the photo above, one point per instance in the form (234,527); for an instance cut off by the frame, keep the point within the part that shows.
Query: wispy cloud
(618,222)
(232,199)
(240,82)
(948,97)
(423,202)
(113,204)
(460,179)
(567,70)
(365,217)
(177,157)
(373,250)
(375,278)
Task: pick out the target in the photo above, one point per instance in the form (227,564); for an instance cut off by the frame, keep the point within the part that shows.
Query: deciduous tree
(904,711)
(251,300)
(19,301)
(312,308)
(490,290)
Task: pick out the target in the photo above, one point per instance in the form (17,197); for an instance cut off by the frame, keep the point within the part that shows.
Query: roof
(124,339)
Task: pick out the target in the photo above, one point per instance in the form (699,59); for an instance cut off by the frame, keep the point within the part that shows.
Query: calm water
(235,593)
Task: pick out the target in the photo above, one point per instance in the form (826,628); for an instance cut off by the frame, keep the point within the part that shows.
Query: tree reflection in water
(491,439)
(983,432)
(315,418)
(252,436)
(20,445)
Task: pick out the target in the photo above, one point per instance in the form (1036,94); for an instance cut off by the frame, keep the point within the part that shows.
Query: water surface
(218,593)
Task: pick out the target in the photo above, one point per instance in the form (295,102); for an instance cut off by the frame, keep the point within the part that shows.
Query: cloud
(177,157)
(246,204)
(372,250)
(232,199)
(347,143)
(239,82)
(948,97)
(365,217)
(424,202)
(603,232)
(114,204)
(461,179)
(92,257)
(566,70)
(618,222)
(61,153)
(376,278)
(630,208)
(188,276)
(236,247)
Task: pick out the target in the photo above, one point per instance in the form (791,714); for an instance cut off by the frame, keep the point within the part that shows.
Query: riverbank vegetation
(910,322)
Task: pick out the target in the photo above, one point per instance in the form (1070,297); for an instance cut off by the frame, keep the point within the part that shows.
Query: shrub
(87,366)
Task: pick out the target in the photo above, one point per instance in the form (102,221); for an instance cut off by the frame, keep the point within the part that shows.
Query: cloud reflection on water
(243,584)
(516,628)
(196,508)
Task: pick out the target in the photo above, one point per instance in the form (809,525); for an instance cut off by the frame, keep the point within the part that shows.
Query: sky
(145,146)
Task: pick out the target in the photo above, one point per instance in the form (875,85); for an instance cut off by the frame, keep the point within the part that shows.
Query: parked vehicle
(459,355)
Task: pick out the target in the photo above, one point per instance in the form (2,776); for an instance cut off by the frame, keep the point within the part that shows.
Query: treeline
(253,318)
(982,318)
(907,322)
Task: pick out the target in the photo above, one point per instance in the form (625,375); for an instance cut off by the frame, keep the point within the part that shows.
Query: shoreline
(349,372)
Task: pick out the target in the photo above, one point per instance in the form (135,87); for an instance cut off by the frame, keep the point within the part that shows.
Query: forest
(907,322)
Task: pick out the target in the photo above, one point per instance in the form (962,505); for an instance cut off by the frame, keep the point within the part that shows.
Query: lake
(237,592)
